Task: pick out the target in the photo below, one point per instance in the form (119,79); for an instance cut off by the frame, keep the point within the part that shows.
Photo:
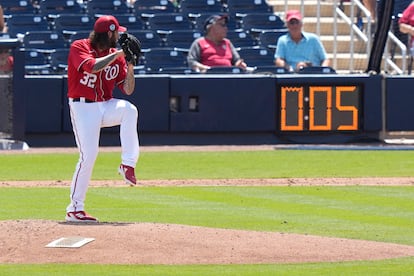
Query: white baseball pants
(87,121)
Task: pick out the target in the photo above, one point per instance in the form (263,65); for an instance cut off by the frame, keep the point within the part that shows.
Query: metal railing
(355,33)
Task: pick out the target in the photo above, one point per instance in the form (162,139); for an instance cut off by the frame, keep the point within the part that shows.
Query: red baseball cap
(106,23)
(293,14)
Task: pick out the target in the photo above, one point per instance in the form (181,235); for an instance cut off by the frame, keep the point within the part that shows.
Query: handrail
(354,30)
(389,61)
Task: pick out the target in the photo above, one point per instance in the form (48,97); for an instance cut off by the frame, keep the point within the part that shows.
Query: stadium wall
(227,108)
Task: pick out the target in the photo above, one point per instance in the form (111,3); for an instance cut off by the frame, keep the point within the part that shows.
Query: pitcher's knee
(132,110)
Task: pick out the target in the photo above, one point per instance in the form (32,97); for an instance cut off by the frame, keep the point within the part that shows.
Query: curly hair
(101,40)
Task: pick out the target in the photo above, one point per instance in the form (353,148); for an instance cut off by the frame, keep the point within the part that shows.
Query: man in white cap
(298,49)
(95,67)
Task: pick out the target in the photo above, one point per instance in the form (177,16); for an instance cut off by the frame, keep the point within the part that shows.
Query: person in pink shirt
(95,67)
(214,49)
(406,23)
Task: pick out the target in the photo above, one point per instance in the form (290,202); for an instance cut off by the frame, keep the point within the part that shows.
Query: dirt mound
(24,241)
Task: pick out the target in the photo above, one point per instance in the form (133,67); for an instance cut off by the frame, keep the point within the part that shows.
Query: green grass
(362,212)
(403,266)
(235,164)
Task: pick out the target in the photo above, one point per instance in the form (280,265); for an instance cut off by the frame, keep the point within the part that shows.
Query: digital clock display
(319,108)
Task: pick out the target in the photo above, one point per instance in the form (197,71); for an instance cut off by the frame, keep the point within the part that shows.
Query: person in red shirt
(95,67)
(406,24)
(214,49)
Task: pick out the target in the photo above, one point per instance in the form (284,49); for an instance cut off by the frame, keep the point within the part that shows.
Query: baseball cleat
(80,216)
(128,173)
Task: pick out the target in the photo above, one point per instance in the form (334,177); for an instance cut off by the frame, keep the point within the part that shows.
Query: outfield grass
(361,212)
(215,165)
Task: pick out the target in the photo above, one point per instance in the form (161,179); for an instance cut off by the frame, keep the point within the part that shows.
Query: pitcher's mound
(25,241)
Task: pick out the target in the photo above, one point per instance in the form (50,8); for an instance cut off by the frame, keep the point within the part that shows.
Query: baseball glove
(131,47)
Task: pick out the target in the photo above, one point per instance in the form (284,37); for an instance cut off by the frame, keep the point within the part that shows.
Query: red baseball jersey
(93,86)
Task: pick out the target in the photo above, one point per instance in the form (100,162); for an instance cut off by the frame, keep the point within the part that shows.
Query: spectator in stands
(3,26)
(406,23)
(6,59)
(214,49)
(371,5)
(298,49)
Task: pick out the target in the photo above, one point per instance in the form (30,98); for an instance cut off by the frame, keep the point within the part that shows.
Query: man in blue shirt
(298,49)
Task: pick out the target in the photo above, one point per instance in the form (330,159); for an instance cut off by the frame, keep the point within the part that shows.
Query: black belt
(82,100)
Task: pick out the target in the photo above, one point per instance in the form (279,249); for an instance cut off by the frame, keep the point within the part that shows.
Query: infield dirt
(24,241)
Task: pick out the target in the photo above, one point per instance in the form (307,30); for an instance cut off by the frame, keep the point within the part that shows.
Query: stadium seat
(182,38)
(22,23)
(131,21)
(199,19)
(247,6)
(270,69)
(176,70)
(113,7)
(79,35)
(317,70)
(153,6)
(37,62)
(59,60)
(149,39)
(262,21)
(268,39)
(44,40)
(257,56)
(169,21)
(73,22)
(240,38)
(201,6)
(47,7)
(225,70)
(12,7)
(158,58)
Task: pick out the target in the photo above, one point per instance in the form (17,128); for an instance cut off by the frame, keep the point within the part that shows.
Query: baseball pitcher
(95,66)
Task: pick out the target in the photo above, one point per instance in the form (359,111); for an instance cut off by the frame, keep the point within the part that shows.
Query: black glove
(131,47)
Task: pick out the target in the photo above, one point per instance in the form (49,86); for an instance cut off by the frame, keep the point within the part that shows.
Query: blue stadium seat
(262,21)
(247,6)
(201,6)
(149,39)
(11,7)
(158,58)
(225,70)
(182,38)
(113,7)
(79,35)
(37,62)
(269,39)
(47,7)
(240,38)
(270,69)
(169,21)
(317,70)
(153,6)
(199,19)
(131,21)
(22,23)
(59,60)
(44,40)
(73,22)
(257,56)
(176,70)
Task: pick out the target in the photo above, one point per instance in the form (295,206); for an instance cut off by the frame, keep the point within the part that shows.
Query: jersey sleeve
(81,57)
